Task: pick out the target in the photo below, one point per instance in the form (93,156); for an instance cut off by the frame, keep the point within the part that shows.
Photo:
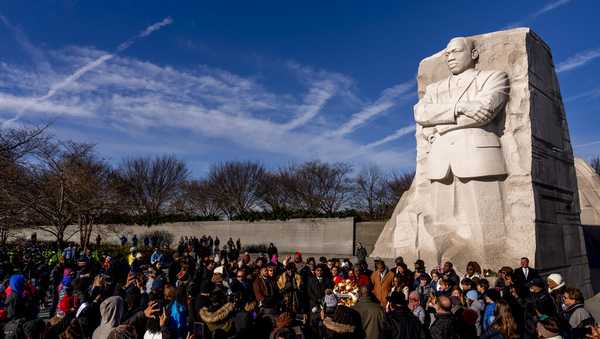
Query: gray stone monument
(495,177)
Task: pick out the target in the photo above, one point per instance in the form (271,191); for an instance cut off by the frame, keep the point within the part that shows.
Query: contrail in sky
(90,66)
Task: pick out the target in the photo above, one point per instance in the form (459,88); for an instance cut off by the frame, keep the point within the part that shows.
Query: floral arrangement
(346,292)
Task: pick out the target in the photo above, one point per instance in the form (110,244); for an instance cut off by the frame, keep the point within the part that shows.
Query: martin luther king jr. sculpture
(465,163)
(495,177)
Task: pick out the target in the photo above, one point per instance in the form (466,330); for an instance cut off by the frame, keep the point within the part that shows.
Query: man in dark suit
(524,274)
(317,285)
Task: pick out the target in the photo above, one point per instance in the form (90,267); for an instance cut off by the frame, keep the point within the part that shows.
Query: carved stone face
(460,55)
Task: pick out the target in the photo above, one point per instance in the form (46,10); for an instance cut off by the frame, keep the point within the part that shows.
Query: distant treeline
(51,184)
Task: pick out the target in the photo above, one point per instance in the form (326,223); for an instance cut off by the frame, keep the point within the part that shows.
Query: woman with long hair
(504,325)
(473,270)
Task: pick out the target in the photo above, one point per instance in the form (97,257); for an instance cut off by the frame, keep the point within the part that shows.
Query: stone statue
(465,163)
(495,177)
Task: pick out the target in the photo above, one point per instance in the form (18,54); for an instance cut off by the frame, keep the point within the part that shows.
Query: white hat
(556,278)
(138,255)
(218,270)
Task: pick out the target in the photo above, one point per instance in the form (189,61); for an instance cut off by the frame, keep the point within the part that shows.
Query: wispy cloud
(547,8)
(387,100)
(591,143)
(37,55)
(315,100)
(578,60)
(594,93)
(129,97)
(88,67)
(394,136)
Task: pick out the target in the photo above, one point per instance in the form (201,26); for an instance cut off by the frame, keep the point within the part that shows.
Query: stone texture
(367,233)
(540,205)
(588,183)
(331,236)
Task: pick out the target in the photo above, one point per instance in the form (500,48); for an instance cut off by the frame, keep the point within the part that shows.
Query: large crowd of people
(204,289)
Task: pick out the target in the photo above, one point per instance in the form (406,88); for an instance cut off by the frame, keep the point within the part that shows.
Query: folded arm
(428,113)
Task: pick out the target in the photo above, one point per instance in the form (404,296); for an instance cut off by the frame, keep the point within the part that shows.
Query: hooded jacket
(111,311)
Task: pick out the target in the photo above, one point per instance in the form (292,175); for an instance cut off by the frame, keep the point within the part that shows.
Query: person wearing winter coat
(111,311)
(490,297)
(477,305)
(414,304)
(575,314)
(401,323)
(382,279)
(371,314)
(444,325)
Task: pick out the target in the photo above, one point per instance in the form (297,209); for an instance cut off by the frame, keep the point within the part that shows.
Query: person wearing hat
(218,315)
(382,280)
(218,279)
(400,322)
(556,288)
(477,306)
(544,304)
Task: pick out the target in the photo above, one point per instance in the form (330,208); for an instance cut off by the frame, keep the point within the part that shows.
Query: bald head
(444,304)
(461,55)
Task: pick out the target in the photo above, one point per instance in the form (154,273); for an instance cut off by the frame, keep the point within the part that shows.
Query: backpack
(14,329)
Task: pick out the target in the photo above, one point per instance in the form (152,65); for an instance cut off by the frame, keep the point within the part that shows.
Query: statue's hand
(474,111)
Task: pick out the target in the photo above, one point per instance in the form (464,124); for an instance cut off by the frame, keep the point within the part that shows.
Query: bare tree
(398,183)
(595,163)
(51,186)
(321,187)
(276,190)
(371,192)
(147,186)
(15,145)
(90,192)
(234,186)
(198,199)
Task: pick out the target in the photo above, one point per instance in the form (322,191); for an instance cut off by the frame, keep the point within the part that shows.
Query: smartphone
(198,330)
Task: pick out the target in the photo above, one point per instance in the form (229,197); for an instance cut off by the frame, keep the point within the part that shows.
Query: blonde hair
(504,322)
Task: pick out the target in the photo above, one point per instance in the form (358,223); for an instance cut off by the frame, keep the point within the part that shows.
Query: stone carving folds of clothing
(464,163)
(459,144)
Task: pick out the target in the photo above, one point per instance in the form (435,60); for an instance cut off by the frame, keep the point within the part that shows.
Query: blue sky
(271,81)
